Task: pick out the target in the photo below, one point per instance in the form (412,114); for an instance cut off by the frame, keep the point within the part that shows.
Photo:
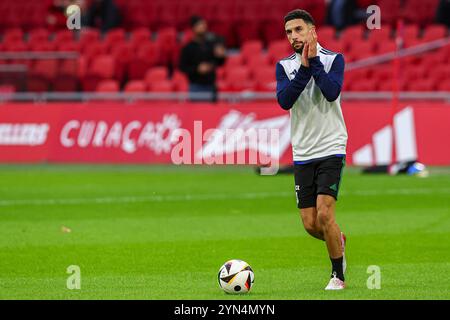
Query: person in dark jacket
(102,14)
(199,60)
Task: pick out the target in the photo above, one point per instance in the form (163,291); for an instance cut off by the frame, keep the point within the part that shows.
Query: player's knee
(310,228)
(324,215)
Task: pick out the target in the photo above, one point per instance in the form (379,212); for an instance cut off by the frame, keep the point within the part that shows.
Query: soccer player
(309,85)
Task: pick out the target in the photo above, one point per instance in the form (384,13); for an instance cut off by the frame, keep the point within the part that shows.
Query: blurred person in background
(443,12)
(56,17)
(342,13)
(102,14)
(199,59)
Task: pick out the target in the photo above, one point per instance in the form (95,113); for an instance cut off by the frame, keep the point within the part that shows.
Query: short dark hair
(195,19)
(299,14)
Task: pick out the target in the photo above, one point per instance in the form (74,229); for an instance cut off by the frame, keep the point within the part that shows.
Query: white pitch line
(206,197)
(131,199)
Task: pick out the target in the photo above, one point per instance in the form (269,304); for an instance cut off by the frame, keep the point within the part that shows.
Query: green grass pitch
(162,232)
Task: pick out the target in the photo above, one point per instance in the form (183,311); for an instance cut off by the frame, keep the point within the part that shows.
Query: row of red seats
(264,81)
(87,37)
(130,59)
(49,75)
(418,77)
(238,20)
(412,11)
(352,38)
(155,80)
(133,55)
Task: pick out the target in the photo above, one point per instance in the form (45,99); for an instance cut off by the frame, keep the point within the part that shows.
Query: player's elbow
(285,106)
(332,96)
(283,102)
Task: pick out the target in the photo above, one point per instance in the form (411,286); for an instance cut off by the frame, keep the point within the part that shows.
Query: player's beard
(299,50)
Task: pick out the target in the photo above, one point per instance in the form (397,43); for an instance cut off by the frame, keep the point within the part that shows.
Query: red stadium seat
(260,60)
(334,45)
(68,46)
(147,56)
(325,35)
(366,85)
(247,26)
(426,84)
(114,37)
(434,32)
(136,15)
(140,36)
(427,10)
(42,46)
(238,79)
(388,85)
(353,76)
(7,90)
(318,9)
(89,36)
(440,74)
(38,35)
(380,36)
(107,86)
(101,68)
(167,15)
(414,73)
(409,32)
(36,17)
(156,74)
(13,35)
(250,49)
(386,47)
(180,82)
(235,60)
(278,50)
(409,62)
(63,36)
(220,73)
(161,86)
(271,32)
(382,72)
(95,49)
(364,49)
(41,75)
(223,23)
(444,85)
(265,79)
(352,37)
(272,27)
(123,54)
(15,46)
(135,86)
(69,74)
(167,43)
(390,10)
(222,85)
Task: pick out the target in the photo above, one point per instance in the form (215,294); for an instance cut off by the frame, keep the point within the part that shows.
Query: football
(236,277)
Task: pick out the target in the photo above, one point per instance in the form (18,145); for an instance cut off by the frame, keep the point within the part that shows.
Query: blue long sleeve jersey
(330,83)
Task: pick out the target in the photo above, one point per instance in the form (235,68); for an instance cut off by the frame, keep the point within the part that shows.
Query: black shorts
(317,177)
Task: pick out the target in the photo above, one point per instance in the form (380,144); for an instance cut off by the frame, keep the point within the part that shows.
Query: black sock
(337,268)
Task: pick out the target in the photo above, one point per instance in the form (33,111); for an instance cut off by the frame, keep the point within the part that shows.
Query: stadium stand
(143,53)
